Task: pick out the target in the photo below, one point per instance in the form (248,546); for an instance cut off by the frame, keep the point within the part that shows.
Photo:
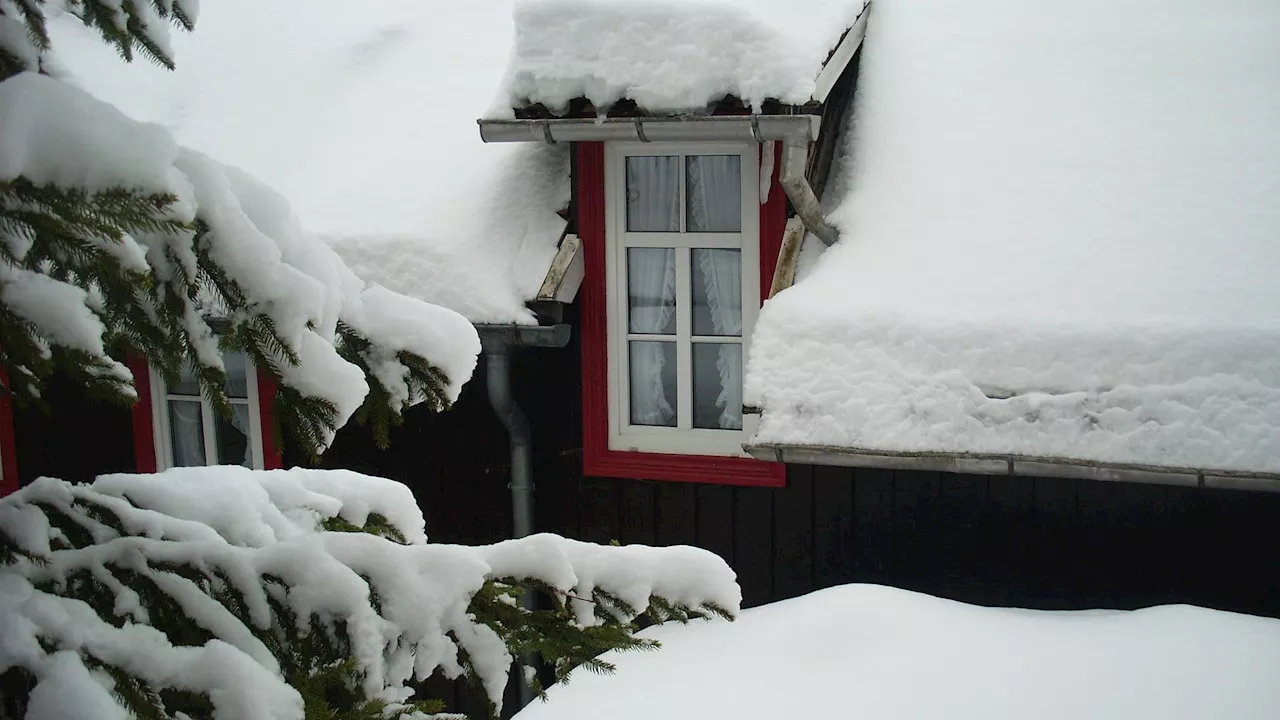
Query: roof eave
(1014,465)
(760,128)
(841,56)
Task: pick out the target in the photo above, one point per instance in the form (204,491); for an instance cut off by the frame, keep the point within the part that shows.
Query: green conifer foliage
(131,568)
(160,307)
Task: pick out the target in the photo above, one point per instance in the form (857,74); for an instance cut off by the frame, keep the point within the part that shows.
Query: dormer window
(679,247)
(683,272)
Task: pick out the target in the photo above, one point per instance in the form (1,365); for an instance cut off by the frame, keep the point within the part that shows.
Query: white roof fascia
(844,52)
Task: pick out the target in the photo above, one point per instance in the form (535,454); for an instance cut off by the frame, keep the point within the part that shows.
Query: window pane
(187,383)
(186,432)
(653,194)
(717,386)
(717,292)
(713,195)
(653,383)
(237,375)
(233,437)
(651,290)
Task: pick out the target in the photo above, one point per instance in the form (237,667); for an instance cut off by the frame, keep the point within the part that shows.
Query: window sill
(683,468)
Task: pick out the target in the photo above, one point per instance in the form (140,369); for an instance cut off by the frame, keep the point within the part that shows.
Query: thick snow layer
(258,508)
(876,653)
(52,132)
(1058,239)
(366,123)
(671,55)
(244,526)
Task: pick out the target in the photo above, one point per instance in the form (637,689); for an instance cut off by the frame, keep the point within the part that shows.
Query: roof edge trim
(758,128)
(841,56)
(1016,465)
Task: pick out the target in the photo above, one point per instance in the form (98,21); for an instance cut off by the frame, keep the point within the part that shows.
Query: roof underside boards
(1059,229)
(672,56)
(365,123)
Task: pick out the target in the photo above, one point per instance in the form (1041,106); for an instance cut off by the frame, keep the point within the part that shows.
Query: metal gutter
(1017,465)
(795,132)
(497,342)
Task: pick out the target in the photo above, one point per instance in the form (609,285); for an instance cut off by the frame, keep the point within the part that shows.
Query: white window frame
(163,435)
(684,439)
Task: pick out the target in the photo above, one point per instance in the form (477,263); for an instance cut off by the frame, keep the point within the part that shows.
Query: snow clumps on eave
(669,56)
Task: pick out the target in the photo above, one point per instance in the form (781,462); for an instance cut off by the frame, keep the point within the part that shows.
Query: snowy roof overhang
(1059,253)
(699,57)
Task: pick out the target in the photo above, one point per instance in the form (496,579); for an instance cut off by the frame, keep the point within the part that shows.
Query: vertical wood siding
(999,540)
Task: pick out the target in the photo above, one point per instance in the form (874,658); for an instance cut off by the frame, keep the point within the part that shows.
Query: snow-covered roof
(1059,239)
(876,653)
(670,56)
(365,123)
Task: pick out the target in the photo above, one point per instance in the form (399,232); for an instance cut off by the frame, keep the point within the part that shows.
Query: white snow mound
(877,653)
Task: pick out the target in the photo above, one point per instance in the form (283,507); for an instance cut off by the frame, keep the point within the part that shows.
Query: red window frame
(597,459)
(8,444)
(144,437)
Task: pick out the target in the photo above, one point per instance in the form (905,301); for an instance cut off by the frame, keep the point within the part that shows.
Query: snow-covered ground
(366,123)
(877,653)
(1059,228)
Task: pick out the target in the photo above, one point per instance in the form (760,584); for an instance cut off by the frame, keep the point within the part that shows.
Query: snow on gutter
(796,132)
(1017,465)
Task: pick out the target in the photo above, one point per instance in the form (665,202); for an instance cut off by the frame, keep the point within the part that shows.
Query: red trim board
(598,459)
(8,444)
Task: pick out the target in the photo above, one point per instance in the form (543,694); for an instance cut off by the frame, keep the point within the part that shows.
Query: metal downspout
(497,343)
(498,381)
(795,154)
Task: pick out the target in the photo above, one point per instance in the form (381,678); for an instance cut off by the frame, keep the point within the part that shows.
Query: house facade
(691,209)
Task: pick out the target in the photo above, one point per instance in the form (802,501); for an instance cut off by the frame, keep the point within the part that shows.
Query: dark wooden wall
(76,438)
(1028,542)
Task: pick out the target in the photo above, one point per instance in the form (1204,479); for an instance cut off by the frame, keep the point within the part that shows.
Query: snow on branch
(230,593)
(153,240)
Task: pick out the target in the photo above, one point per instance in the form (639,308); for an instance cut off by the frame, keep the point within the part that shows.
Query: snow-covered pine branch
(151,594)
(113,238)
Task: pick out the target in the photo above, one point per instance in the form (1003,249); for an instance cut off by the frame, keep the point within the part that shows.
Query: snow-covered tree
(114,239)
(293,594)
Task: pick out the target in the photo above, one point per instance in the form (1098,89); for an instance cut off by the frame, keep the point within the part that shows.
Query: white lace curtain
(187,430)
(721,272)
(653,194)
(651,279)
(713,192)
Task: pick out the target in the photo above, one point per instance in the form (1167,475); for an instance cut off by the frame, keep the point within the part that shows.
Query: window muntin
(191,432)
(683,277)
